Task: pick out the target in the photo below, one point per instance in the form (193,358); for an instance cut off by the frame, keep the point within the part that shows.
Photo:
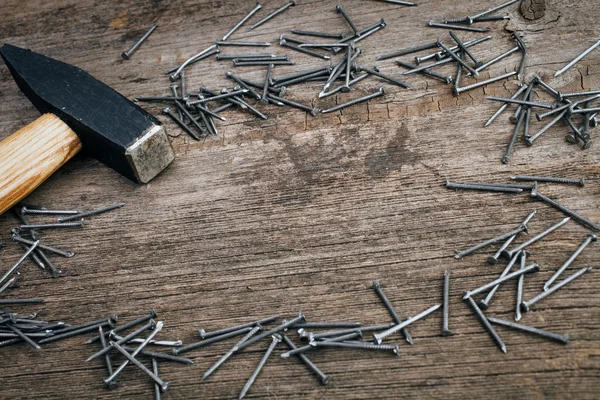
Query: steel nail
(588,239)
(577,217)
(388,305)
(486,324)
(526,305)
(276,340)
(445,305)
(564,339)
(273,14)
(243,20)
(378,93)
(128,53)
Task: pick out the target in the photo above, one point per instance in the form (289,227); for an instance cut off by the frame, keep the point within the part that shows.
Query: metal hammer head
(111,128)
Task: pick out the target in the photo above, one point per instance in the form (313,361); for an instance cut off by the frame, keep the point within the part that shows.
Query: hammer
(78,111)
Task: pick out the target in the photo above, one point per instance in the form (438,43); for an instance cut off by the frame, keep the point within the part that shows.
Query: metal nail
(322,376)
(378,93)
(510,253)
(273,14)
(263,99)
(526,305)
(342,12)
(26,338)
(434,24)
(160,356)
(551,179)
(505,105)
(124,340)
(196,57)
(79,224)
(378,337)
(589,238)
(206,342)
(309,347)
(387,78)
(486,324)
(493,240)
(523,48)
(130,358)
(20,261)
(113,384)
(461,45)
(179,122)
(521,102)
(276,329)
(128,53)
(529,140)
(361,345)
(513,139)
(491,10)
(128,325)
(285,43)
(276,340)
(227,355)
(564,339)
(520,281)
(577,217)
(109,323)
(90,213)
(242,44)
(456,91)
(205,335)
(496,59)
(399,53)
(35,211)
(446,79)
(488,286)
(313,111)
(53,270)
(484,304)
(445,305)
(579,57)
(494,259)
(243,20)
(156,385)
(317,34)
(485,188)
(388,305)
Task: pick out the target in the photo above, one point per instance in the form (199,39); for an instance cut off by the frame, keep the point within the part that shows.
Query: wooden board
(302,214)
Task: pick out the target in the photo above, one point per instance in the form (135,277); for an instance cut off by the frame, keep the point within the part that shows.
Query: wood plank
(297,213)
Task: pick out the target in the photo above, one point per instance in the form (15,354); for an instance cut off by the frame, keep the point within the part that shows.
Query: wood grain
(297,213)
(31,155)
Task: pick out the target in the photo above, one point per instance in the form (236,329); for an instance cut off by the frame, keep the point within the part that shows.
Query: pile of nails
(194,116)
(339,335)
(29,237)
(566,107)
(132,347)
(512,256)
(532,187)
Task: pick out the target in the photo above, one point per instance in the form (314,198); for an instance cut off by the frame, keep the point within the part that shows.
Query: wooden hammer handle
(31,155)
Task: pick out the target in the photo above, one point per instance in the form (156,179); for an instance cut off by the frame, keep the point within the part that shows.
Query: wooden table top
(301,213)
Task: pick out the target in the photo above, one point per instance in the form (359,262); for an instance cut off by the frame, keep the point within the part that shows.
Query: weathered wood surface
(300,213)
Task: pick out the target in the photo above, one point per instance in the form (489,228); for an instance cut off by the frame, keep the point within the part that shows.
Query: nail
(491,10)
(20,301)
(313,111)
(242,44)
(388,305)
(494,259)
(367,31)
(378,93)
(300,77)
(309,347)
(249,57)
(486,324)
(35,211)
(404,52)
(342,12)
(521,102)
(206,342)
(523,48)
(273,14)
(276,329)
(457,91)
(378,337)
(195,59)
(217,97)
(18,263)
(285,43)
(79,224)
(53,270)
(459,69)
(160,356)
(577,217)
(263,99)
(486,188)
(268,58)
(510,253)
(387,78)
(551,179)
(166,343)
(189,116)
(113,384)
(526,305)
(446,79)
(131,357)
(317,34)
(322,376)
(555,110)
(163,385)
(346,86)
(564,339)
(461,45)
(338,333)
(124,340)
(439,55)
(579,57)
(457,58)
(76,332)
(529,140)
(227,355)
(253,63)
(156,385)
(520,281)
(527,270)
(190,60)
(434,24)
(182,83)
(179,122)
(485,303)
(338,89)
(26,338)
(363,345)
(205,335)
(400,2)
(496,59)
(128,53)
(7,284)
(320,325)
(235,100)
(513,139)
(583,93)
(246,18)
(276,340)
(95,324)
(589,238)
(90,213)
(128,325)
(445,306)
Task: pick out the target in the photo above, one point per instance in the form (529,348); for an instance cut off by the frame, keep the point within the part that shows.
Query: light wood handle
(29,156)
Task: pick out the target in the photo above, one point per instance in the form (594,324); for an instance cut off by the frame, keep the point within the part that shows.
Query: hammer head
(111,128)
